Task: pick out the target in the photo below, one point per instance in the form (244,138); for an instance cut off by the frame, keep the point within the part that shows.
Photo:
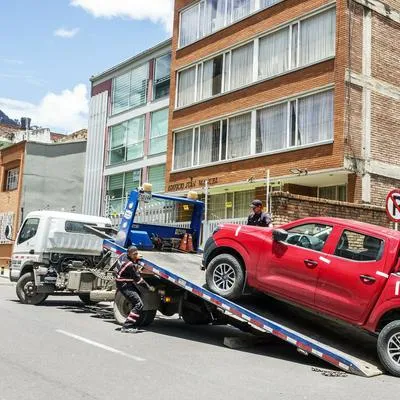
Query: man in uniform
(258,217)
(128,277)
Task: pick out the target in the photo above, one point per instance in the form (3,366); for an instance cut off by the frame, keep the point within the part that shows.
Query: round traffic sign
(393,205)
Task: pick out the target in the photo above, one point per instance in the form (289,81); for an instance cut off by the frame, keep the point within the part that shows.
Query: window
(317,37)
(299,44)
(119,187)
(271,133)
(183,149)
(28,230)
(211,78)
(311,119)
(359,247)
(77,227)
(241,66)
(311,236)
(156,176)
(159,131)
(126,141)
(239,129)
(333,192)
(186,91)
(12,179)
(208,16)
(162,72)
(229,205)
(231,138)
(273,58)
(130,89)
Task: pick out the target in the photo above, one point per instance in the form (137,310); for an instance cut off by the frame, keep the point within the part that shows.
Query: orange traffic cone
(189,247)
(183,244)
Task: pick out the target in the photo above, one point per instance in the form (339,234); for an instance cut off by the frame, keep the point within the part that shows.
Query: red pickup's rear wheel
(225,276)
(389,348)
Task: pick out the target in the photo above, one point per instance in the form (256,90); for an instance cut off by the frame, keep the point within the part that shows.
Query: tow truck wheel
(122,307)
(26,290)
(389,348)
(225,276)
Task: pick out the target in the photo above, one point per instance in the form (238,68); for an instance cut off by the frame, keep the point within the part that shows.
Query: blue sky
(50,48)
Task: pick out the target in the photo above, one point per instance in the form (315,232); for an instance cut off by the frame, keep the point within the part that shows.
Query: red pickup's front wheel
(225,276)
(389,347)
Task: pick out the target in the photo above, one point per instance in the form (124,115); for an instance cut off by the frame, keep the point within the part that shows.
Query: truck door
(26,238)
(292,268)
(354,277)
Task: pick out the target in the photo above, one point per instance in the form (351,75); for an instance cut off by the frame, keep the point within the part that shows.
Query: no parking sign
(393,205)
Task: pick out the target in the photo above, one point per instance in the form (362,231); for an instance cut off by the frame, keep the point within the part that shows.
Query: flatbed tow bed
(311,335)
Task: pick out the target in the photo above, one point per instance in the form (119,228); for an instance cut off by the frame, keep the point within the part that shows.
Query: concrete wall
(53,176)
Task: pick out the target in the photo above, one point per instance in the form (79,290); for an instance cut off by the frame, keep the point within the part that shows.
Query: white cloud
(64,112)
(154,10)
(66,33)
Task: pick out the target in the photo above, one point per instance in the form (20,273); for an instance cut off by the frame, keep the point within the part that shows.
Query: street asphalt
(62,350)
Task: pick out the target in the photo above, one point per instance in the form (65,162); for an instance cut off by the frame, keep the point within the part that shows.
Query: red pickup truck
(339,268)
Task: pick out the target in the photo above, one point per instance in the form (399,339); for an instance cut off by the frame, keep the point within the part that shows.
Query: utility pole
(267,192)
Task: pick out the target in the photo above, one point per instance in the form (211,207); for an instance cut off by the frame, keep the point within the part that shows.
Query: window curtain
(239,136)
(189,23)
(274,54)
(240,9)
(159,131)
(183,149)
(186,87)
(317,37)
(315,118)
(214,15)
(132,181)
(205,155)
(242,66)
(271,131)
(268,3)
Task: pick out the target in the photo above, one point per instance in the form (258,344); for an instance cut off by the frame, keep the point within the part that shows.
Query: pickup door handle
(367,279)
(310,263)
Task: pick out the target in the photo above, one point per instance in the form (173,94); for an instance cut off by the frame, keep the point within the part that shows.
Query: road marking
(382,274)
(397,290)
(101,346)
(238,230)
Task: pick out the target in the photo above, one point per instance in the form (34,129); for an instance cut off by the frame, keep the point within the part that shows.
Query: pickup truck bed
(346,347)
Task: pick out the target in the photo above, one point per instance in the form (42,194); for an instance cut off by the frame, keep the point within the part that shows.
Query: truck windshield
(29,230)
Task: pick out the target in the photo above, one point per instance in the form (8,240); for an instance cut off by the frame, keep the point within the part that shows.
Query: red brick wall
(102,87)
(289,207)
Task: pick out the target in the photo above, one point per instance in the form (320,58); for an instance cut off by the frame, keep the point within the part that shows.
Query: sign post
(393,207)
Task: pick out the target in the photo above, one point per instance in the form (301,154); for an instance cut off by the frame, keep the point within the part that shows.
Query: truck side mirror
(279,235)
(8,232)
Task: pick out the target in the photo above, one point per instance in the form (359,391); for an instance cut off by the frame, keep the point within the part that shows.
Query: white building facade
(127,130)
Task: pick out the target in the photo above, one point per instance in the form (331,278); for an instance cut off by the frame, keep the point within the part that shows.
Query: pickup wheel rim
(393,348)
(224,276)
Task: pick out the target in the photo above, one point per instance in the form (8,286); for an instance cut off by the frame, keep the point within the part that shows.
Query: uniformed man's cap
(256,203)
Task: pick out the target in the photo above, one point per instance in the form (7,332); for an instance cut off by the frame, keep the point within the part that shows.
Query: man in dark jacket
(128,277)
(258,217)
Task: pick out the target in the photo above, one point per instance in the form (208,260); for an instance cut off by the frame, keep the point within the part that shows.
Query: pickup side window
(29,230)
(311,236)
(359,247)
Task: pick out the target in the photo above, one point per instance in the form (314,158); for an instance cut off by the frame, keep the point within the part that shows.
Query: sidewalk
(4,278)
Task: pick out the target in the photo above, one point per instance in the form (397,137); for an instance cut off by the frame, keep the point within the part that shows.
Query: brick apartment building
(305,91)
(127,132)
